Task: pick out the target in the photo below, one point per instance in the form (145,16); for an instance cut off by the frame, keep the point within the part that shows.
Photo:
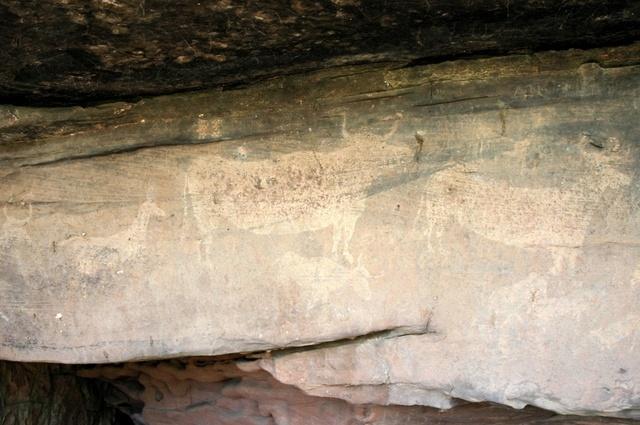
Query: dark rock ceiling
(82,51)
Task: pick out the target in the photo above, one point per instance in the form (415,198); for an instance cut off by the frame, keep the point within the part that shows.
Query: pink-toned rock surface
(207,392)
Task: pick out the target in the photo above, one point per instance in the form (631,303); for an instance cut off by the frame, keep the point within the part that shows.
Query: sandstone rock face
(206,391)
(474,225)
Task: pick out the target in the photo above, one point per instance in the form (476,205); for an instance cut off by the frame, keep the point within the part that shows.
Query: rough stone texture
(78,51)
(476,224)
(206,391)
(39,394)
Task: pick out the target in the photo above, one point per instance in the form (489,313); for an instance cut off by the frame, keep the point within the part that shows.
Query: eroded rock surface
(475,225)
(205,391)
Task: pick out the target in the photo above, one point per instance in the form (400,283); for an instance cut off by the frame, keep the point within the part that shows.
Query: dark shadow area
(78,52)
(122,419)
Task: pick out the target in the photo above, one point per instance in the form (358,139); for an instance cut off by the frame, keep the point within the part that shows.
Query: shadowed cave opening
(122,418)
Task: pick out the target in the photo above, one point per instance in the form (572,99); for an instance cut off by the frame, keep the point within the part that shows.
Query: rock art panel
(473,227)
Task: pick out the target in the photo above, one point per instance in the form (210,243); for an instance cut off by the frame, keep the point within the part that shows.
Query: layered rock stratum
(418,236)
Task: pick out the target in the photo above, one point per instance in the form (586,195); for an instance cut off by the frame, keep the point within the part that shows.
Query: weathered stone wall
(473,225)
(210,391)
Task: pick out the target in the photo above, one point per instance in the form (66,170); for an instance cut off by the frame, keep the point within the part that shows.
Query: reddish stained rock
(201,391)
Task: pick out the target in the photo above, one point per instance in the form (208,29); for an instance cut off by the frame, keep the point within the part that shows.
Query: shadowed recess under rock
(77,51)
(209,391)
